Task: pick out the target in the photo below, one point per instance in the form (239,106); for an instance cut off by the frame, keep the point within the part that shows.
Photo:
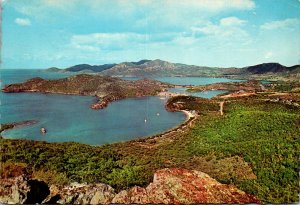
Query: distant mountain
(267,68)
(87,67)
(158,68)
(140,62)
(148,68)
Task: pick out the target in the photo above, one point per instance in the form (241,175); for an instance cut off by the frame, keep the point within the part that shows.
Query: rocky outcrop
(14,190)
(169,186)
(103,103)
(181,186)
(21,190)
(81,194)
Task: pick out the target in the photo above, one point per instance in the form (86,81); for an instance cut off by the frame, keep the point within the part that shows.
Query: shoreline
(168,135)
(190,118)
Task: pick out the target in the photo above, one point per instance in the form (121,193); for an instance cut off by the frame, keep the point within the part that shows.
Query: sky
(218,33)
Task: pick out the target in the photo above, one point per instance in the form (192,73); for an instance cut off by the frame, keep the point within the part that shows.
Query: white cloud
(23,21)
(282,24)
(268,55)
(232,21)
(227,27)
(173,13)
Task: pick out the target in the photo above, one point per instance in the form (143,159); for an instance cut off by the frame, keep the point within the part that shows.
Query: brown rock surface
(169,186)
(14,190)
(181,186)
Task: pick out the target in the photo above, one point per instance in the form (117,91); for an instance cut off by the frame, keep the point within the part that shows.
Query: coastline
(168,135)
(142,141)
(8,126)
(171,130)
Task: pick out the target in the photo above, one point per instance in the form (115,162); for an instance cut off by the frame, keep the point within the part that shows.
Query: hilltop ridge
(157,67)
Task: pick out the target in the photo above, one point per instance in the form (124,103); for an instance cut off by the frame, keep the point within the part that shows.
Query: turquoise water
(69,118)
(9,76)
(189,80)
(194,80)
(205,94)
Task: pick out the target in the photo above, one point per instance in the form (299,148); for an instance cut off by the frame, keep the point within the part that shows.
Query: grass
(255,146)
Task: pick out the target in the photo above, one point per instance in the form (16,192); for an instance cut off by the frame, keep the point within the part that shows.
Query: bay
(69,118)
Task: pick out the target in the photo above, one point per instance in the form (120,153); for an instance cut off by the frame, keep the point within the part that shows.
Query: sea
(69,118)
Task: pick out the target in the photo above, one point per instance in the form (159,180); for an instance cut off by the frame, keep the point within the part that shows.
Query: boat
(43,130)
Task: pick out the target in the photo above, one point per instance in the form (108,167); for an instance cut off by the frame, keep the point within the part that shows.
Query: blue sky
(223,33)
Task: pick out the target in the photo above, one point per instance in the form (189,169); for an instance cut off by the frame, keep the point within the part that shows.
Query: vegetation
(266,135)
(251,85)
(281,86)
(255,146)
(6,127)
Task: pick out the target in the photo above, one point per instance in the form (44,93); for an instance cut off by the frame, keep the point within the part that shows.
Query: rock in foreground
(169,186)
(181,186)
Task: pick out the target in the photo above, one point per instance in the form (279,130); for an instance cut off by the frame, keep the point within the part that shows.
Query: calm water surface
(205,94)
(189,80)
(69,118)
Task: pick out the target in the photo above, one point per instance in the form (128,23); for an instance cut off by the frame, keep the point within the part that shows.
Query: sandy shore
(188,114)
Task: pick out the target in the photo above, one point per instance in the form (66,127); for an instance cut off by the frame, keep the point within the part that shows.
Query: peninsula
(106,89)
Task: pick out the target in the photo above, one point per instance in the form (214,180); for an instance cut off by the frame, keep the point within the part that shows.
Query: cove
(69,118)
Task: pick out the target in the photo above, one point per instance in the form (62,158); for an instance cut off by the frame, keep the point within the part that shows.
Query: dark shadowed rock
(39,190)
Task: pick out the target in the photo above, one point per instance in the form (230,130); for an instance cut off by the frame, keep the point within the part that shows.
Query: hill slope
(266,68)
